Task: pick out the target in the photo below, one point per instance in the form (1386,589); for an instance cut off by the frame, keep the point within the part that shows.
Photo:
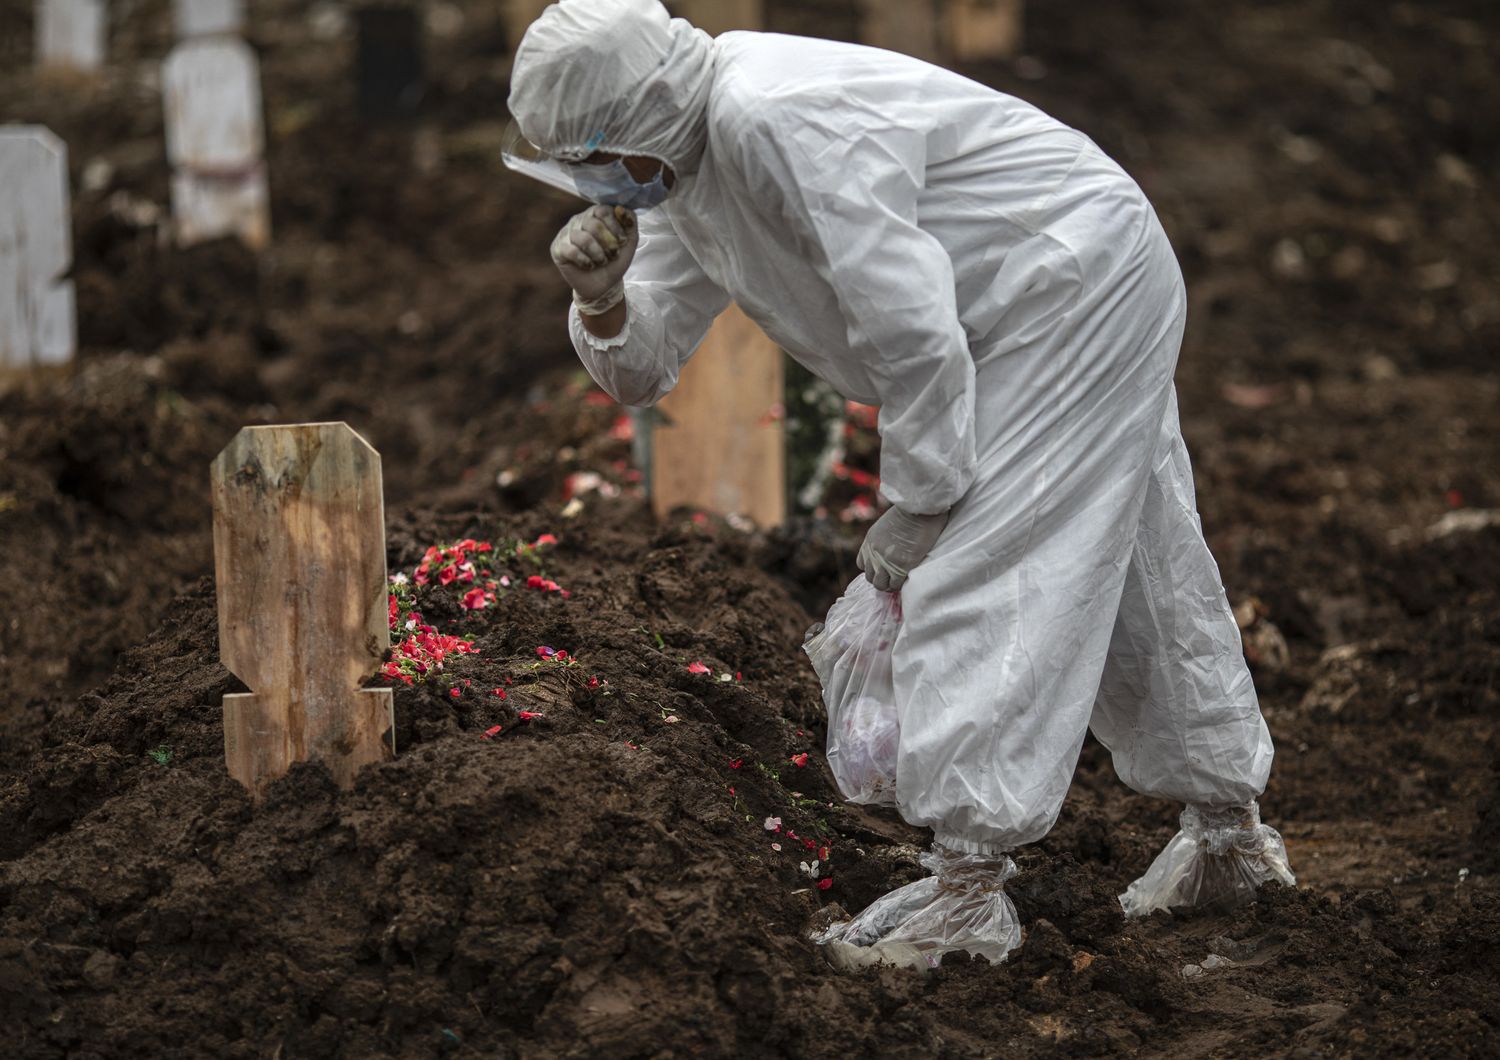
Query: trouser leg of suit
(1008,621)
(1176,707)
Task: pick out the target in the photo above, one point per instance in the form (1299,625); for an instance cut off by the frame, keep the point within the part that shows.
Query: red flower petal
(491,731)
(475,600)
(698,668)
(799,760)
(825,883)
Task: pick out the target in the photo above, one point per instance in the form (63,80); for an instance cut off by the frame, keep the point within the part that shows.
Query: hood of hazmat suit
(1005,294)
(620,77)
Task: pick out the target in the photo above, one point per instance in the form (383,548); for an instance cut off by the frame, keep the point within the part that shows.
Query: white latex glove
(897,543)
(592,252)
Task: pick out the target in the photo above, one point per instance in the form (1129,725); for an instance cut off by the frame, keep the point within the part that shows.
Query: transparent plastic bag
(961,908)
(851,652)
(1218,860)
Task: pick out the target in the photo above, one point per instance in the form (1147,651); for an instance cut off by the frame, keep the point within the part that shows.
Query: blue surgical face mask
(610,184)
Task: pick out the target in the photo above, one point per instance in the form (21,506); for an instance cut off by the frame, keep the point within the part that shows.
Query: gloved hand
(592,252)
(897,543)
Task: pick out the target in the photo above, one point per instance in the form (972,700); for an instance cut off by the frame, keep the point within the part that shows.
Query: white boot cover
(1218,860)
(963,908)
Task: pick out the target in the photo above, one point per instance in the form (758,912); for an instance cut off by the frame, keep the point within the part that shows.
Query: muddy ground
(598,880)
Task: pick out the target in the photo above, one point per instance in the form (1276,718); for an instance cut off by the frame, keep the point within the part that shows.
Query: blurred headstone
(37,324)
(388,62)
(70,35)
(908,26)
(721,16)
(208,18)
(215,142)
(983,29)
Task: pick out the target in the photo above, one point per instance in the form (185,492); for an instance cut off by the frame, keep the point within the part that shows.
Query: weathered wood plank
(520,14)
(299,557)
(908,26)
(720,445)
(721,16)
(983,29)
(37,322)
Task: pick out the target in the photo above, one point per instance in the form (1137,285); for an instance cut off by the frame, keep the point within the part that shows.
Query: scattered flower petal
(773,824)
(475,599)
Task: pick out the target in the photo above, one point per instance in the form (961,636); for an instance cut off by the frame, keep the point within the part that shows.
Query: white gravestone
(208,18)
(70,34)
(36,246)
(215,139)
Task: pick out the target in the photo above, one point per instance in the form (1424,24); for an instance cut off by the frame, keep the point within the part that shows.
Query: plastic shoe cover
(851,653)
(1218,860)
(963,908)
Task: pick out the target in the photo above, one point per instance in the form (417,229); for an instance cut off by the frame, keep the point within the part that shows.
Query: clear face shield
(604,183)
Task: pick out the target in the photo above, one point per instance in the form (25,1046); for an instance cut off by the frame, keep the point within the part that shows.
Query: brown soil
(597,881)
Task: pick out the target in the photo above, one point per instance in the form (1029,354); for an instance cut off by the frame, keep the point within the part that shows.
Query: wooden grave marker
(721,16)
(519,14)
(208,18)
(299,557)
(908,26)
(719,443)
(215,140)
(37,321)
(70,35)
(982,29)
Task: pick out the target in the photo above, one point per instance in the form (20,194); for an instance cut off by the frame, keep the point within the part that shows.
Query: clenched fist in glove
(592,252)
(897,543)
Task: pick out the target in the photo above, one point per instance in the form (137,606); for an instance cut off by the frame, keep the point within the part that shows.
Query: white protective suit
(1004,293)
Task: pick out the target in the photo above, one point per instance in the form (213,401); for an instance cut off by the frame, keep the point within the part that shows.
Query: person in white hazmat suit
(1004,293)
